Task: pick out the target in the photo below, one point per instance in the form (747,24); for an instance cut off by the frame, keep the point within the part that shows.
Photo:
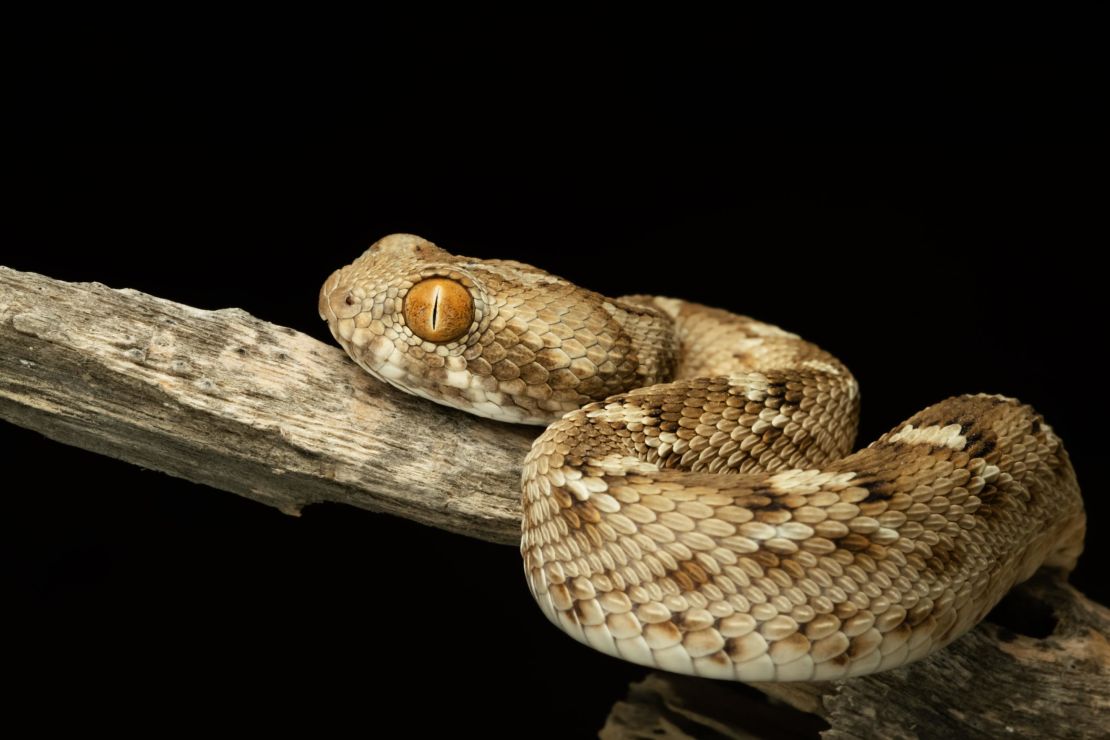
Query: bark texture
(228,400)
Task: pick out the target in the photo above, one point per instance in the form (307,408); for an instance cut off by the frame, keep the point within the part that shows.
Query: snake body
(694,503)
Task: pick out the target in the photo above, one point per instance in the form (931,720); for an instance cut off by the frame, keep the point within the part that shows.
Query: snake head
(406,311)
(426,321)
(495,338)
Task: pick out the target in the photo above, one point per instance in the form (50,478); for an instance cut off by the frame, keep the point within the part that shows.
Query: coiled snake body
(694,504)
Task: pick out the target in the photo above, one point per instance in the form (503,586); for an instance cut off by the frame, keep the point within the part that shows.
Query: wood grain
(225,399)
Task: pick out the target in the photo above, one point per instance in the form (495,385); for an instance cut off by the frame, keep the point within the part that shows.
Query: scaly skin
(710,518)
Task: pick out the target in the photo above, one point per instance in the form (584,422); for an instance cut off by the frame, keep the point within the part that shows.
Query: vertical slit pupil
(435,308)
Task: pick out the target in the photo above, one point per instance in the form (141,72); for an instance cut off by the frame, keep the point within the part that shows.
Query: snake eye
(438,310)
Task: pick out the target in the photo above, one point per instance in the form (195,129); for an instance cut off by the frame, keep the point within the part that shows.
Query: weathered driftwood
(224,399)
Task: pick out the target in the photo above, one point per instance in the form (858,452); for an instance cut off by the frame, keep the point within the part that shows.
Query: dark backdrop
(961,274)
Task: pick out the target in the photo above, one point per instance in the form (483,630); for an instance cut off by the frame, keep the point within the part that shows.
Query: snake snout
(337,301)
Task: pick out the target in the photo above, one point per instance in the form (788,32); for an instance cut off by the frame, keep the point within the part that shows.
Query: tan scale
(694,503)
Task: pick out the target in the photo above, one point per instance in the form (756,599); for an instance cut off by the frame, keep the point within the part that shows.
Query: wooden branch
(993,682)
(224,399)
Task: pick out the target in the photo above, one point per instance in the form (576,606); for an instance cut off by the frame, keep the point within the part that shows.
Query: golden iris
(438,310)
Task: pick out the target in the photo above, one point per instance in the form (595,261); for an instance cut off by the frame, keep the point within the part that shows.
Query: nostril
(350,300)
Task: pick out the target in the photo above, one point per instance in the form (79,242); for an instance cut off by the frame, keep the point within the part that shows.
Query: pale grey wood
(228,400)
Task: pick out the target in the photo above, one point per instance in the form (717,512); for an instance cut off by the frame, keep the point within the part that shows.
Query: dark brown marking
(696,572)
(683,580)
(877,490)
(854,542)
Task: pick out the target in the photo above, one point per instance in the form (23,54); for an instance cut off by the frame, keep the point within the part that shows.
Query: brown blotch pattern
(712,518)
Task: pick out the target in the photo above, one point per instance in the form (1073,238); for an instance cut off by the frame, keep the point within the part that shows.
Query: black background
(932,265)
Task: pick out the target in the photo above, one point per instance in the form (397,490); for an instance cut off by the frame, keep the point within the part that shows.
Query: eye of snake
(438,310)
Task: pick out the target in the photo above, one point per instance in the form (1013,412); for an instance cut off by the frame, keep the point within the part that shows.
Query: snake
(694,503)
